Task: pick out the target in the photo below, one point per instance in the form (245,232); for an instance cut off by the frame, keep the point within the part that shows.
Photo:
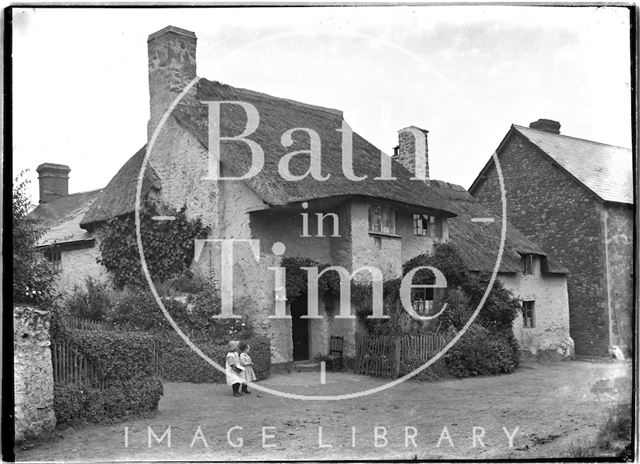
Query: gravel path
(551,405)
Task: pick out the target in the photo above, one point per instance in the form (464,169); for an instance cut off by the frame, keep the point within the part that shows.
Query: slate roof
(119,196)
(479,241)
(61,218)
(606,170)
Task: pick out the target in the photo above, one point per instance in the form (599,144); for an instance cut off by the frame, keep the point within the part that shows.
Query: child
(245,361)
(233,369)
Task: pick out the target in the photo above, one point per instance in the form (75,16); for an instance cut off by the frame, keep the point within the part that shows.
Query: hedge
(181,364)
(125,361)
(74,402)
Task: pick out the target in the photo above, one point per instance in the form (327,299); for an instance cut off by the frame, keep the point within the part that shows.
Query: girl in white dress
(245,361)
(233,369)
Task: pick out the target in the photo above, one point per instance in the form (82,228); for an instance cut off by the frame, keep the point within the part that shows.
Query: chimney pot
(547,125)
(53,181)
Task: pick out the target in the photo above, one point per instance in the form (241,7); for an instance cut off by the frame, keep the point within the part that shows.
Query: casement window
(528,314)
(422,301)
(382,219)
(426,225)
(527,264)
(55,257)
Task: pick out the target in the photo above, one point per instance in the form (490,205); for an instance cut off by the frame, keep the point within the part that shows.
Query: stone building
(349,214)
(574,198)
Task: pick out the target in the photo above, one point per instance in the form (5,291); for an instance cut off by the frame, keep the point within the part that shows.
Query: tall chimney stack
(409,140)
(53,180)
(172,66)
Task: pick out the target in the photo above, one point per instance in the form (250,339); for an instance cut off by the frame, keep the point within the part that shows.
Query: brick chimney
(53,180)
(405,152)
(547,125)
(172,65)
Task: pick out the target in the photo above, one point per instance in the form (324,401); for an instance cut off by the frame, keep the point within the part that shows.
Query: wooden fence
(71,365)
(382,356)
(85,324)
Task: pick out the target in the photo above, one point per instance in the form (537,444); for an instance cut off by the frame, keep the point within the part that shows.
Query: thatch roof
(479,241)
(61,218)
(119,196)
(278,115)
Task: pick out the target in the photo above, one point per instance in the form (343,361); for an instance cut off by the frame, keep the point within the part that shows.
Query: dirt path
(552,405)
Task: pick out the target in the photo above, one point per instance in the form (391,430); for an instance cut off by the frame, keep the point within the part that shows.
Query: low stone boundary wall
(33,373)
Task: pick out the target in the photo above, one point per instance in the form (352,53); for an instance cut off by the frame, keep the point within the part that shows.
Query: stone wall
(619,251)
(564,218)
(33,373)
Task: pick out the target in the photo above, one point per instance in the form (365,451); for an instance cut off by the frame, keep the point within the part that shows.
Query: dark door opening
(300,330)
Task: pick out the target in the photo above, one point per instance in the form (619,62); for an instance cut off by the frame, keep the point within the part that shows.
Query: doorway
(300,329)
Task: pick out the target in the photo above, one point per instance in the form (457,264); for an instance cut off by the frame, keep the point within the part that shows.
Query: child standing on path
(245,361)
(233,369)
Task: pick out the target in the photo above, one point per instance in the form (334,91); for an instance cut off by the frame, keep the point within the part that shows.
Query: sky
(464,73)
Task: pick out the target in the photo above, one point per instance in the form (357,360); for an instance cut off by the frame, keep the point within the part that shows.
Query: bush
(34,278)
(138,310)
(433,372)
(181,364)
(79,403)
(118,356)
(89,301)
(481,351)
(125,361)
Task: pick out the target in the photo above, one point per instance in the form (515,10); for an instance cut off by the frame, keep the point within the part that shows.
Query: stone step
(306,366)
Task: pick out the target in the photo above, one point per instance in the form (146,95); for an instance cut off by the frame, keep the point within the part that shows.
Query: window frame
(433,229)
(528,321)
(382,216)
(527,264)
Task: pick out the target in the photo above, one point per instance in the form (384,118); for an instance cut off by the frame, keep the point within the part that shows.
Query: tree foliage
(33,276)
(168,246)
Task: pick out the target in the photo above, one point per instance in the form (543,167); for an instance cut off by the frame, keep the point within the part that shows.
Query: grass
(613,439)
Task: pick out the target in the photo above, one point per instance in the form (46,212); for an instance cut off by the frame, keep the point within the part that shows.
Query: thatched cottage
(379,223)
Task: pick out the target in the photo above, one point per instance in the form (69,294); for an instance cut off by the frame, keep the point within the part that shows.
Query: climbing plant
(168,245)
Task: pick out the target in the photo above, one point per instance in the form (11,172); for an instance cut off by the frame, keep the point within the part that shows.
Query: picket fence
(382,356)
(85,324)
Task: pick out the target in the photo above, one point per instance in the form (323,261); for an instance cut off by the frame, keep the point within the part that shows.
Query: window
(382,219)
(55,257)
(424,224)
(422,301)
(527,264)
(528,314)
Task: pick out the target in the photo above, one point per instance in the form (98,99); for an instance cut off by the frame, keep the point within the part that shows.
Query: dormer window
(382,219)
(426,225)
(527,264)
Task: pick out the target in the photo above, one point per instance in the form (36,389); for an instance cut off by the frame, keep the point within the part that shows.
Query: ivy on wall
(168,245)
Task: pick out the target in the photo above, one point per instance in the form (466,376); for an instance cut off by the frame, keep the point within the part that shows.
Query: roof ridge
(255,93)
(517,126)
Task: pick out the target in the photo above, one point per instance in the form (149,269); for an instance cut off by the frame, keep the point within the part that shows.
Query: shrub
(118,356)
(433,372)
(34,278)
(79,403)
(125,361)
(482,352)
(89,301)
(181,364)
